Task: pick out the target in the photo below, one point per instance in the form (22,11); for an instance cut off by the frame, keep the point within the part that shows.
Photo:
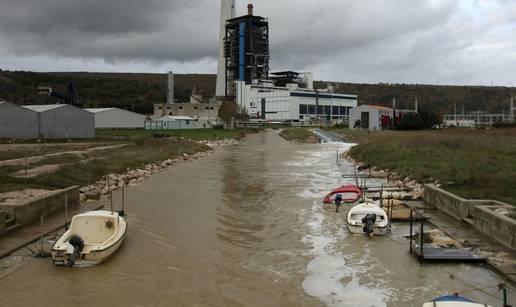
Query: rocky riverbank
(113,182)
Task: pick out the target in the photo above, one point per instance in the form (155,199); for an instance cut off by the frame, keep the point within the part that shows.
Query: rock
(503,211)
(133,182)
(93,194)
(84,189)
(104,191)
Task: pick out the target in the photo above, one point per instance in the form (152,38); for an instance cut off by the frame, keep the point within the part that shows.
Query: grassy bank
(139,149)
(301,135)
(194,134)
(472,163)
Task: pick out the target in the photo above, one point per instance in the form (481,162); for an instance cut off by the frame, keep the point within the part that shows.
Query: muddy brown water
(244,227)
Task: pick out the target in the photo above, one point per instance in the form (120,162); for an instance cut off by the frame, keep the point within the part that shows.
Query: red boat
(350,194)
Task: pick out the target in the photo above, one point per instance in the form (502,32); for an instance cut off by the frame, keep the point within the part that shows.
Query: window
(303,109)
(159,108)
(187,122)
(170,113)
(311,109)
(180,108)
(320,110)
(327,110)
(335,110)
(196,108)
(301,117)
(343,110)
(206,108)
(211,108)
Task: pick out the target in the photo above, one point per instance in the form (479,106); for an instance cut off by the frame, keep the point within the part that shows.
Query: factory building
(63,121)
(282,96)
(171,123)
(246,50)
(114,118)
(267,101)
(374,117)
(17,122)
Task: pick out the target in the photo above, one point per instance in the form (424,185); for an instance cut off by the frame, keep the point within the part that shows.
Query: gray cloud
(430,41)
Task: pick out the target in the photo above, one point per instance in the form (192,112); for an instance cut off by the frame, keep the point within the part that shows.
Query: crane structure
(69,98)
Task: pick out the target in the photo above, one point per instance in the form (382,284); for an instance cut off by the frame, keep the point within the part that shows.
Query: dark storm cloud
(109,29)
(444,41)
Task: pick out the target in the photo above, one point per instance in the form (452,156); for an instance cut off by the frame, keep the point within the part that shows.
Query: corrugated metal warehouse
(117,118)
(17,122)
(63,121)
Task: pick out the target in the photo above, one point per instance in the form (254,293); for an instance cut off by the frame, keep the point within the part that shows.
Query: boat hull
(377,231)
(60,258)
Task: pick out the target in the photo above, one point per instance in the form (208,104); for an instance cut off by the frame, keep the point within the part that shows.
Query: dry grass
(471,163)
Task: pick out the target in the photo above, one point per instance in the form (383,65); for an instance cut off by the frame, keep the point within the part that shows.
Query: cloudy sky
(410,41)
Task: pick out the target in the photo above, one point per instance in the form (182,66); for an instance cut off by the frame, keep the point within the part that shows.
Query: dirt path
(36,159)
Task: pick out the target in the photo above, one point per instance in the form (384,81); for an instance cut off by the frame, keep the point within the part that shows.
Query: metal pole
(410,239)
(66,211)
(123,198)
(25,165)
(421,240)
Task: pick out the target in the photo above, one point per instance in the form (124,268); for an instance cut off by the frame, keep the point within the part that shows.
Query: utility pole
(512,108)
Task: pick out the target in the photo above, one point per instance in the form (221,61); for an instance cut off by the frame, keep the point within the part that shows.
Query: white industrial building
(115,118)
(63,121)
(171,123)
(17,122)
(266,101)
(370,117)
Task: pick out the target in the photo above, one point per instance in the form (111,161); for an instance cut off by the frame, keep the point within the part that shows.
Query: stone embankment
(414,189)
(113,182)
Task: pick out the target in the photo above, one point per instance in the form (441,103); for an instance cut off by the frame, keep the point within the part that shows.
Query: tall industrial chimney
(227,11)
(250,9)
(170,91)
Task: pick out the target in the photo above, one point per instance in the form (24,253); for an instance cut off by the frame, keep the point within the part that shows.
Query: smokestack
(227,11)
(170,91)
(250,9)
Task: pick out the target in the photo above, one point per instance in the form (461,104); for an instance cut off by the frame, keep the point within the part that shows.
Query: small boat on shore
(350,194)
(367,218)
(453,301)
(92,237)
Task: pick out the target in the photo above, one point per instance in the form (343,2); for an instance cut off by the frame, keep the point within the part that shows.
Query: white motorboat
(92,237)
(453,301)
(367,218)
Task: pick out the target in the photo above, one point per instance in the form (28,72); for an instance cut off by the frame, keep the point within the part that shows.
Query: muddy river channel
(245,227)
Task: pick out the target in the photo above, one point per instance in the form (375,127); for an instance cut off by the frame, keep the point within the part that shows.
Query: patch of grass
(471,163)
(136,155)
(193,134)
(301,135)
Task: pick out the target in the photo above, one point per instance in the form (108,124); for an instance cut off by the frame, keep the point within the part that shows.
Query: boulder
(93,194)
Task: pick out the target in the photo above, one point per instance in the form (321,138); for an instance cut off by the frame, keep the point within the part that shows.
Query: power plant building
(246,50)
(282,96)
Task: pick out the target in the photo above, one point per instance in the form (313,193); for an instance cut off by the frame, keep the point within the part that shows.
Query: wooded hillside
(139,92)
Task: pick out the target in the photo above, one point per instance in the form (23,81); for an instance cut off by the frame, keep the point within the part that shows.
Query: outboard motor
(78,244)
(368,223)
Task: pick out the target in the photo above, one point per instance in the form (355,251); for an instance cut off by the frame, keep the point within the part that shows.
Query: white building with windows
(292,103)
(171,123)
